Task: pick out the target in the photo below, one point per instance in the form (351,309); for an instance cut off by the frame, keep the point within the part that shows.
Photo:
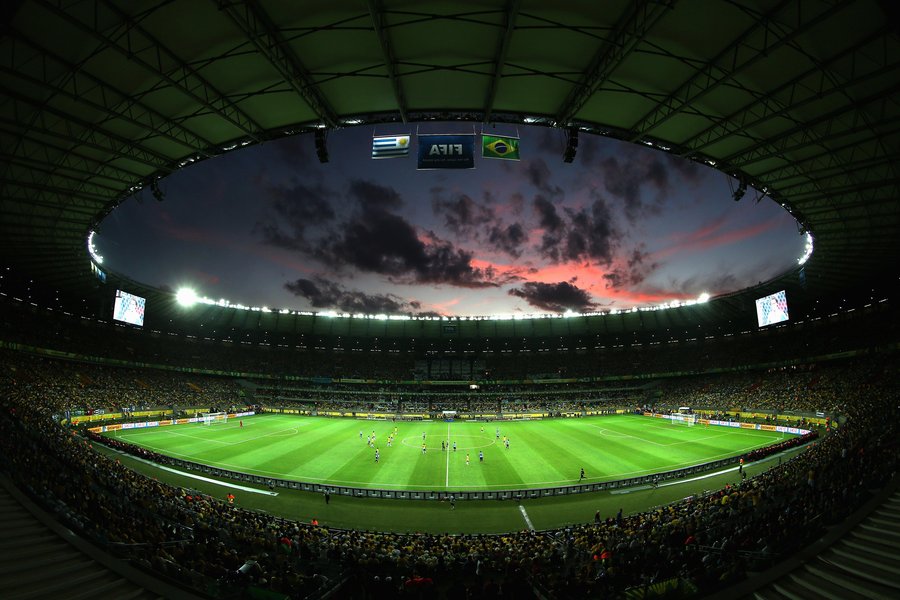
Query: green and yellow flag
(495,146)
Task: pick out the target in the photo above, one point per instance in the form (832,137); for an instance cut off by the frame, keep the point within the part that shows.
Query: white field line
(525,516)
(638,488)
(383,485)
(206,439)
(619,434)
(493,486)
(207,479)
(447,482)
(699,477)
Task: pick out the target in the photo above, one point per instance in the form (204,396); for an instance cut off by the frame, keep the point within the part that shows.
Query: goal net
(213,418)
(683,418)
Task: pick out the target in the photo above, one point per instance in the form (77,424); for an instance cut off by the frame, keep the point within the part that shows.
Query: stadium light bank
(92,249)
(188,297)
(807,250)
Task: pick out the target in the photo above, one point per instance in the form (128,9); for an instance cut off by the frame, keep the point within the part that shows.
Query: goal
(688,419)
(213,418)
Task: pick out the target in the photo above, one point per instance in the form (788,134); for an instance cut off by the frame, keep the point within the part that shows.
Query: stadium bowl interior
(797,100)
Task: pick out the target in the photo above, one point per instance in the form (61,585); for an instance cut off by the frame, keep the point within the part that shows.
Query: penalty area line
(525,516)
(207,479)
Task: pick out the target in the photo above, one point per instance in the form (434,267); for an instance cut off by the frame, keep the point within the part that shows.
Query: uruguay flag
(390,146)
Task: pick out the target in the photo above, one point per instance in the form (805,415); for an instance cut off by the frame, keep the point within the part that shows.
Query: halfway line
(447,482)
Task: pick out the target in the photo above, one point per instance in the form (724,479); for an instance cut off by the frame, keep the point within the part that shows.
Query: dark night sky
(623,225)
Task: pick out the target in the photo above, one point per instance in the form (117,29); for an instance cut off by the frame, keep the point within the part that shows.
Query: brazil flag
(495,146)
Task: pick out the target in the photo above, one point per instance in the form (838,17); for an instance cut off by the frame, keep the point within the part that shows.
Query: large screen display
(129,308)
(772,309)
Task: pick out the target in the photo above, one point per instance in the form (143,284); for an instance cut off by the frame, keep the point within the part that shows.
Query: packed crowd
(806,388)
(84,388)
(712,540)
(708,540)
(494,399)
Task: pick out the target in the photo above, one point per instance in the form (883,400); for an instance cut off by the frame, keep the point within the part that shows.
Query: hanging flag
(390,146)
(498,146)
(446,151)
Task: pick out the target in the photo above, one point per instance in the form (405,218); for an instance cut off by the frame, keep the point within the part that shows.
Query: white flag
(390,146)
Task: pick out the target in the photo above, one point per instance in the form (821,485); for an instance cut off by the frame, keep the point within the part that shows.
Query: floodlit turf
(544,453)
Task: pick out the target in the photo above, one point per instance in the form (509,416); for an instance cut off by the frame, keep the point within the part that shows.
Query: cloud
(462,215)
(538,175)
(373,196)
(633,272)
(469,220)
(554,297)
(322,293)
(548,218)
(508,239)
(593,234)
(516,203)
(376,240)
(584,235)
(713,235)
(711,283)
(688,169)
(552,225)
(293,209)
(707,230)
(626,175)
(588,148)
(725,278)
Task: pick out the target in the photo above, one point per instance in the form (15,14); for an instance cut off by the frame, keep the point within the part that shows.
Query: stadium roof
(799,99)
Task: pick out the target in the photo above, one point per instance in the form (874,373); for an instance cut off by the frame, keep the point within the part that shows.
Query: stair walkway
(41,559)
(863,564)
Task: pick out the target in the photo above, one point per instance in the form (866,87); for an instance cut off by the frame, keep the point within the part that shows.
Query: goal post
(212,418)
(688,419)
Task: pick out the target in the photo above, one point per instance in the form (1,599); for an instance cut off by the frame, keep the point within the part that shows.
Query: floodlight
(704,297)
(186,297)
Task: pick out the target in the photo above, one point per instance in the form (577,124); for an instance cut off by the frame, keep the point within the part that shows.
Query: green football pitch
(546,453)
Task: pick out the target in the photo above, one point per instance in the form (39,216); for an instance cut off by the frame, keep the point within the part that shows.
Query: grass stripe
(546,453)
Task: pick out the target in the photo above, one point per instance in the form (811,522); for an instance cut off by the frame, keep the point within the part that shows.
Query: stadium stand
(693,543)
(47,560)
(795,103)
(855,559)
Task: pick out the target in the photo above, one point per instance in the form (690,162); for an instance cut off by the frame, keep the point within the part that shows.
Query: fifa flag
(390,146)
(446,151)
(496,146)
